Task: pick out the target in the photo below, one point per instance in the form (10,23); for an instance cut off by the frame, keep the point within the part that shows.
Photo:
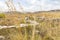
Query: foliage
(2,15)
(45,30)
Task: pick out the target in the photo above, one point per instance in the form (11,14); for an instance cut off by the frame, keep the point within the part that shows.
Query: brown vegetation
(48,28)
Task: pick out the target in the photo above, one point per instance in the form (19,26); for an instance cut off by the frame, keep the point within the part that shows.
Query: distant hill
(32,12)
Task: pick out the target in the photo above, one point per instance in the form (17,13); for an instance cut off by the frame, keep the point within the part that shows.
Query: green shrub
(2,15)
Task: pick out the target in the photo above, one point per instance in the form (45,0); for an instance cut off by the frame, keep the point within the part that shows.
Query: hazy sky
(33,5)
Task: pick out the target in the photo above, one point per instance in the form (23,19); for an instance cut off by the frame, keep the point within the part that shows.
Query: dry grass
(46,30)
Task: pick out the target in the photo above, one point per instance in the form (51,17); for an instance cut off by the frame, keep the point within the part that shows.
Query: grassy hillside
(48,27)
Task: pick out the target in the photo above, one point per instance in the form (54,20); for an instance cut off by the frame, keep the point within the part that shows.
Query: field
(30,26)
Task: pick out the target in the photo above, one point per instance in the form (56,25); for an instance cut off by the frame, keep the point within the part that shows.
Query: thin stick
(33,32)
(10,5)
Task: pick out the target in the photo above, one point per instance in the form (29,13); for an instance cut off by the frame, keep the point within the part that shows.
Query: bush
(2,15)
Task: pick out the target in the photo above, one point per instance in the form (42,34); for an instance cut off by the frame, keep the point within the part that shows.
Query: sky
(32,5)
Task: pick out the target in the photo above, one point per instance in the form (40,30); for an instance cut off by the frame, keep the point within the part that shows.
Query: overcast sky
(33,5)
